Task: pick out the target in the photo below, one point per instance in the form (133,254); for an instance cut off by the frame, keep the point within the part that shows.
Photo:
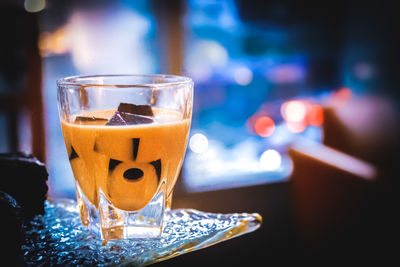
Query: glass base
(110,223)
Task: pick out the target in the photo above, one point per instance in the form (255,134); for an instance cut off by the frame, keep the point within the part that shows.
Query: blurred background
(295,109)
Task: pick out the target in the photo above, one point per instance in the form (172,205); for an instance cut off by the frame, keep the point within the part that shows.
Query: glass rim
(76,80)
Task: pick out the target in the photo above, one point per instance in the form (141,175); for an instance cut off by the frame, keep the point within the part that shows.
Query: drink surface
(126,163)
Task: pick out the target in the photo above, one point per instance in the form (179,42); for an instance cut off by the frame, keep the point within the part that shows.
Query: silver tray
(59,238)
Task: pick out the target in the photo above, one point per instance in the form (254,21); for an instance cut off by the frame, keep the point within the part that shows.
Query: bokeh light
(93,52)
(343,94)
(264,126)
(270,160)
(34,5)
(53,43)
(363,70)
(315,115)
(243,76)
(296,127)
(294,111)
(198,143)
(286,73)
(206,55)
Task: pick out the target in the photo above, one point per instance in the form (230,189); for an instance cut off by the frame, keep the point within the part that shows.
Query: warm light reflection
(343,94)
(198,143)
(270,160)
(294,111)
(336,159)
(53,43)
(315,115)
(264,126)
(340,97)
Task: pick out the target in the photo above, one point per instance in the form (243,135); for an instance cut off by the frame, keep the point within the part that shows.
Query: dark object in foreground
(144,110)
(10,230)
(24,178)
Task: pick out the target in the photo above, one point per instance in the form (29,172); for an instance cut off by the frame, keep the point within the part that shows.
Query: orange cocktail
(127,163)
(126,137)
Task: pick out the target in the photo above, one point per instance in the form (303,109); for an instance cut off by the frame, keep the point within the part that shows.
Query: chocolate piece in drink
(116,119)
(122,118)
(144,110)
(135,119)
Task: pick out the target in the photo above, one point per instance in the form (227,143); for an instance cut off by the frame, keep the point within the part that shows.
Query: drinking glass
(126,137)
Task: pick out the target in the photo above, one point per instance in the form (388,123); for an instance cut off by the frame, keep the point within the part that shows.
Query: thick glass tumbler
(126,137)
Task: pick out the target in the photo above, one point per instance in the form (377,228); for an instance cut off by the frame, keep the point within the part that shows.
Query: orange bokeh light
(264,126)
(315,115)
(53,43)
(343,94)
